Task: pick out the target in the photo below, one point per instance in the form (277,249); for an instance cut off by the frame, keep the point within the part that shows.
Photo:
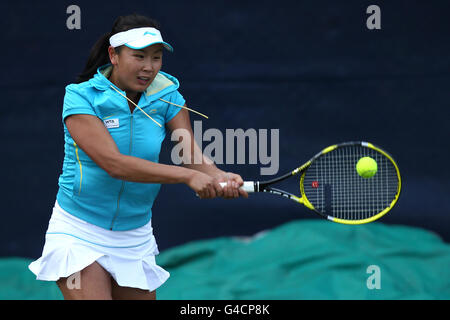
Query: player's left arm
(198,161)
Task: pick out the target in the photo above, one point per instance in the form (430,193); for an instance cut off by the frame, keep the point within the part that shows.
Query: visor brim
(139,44)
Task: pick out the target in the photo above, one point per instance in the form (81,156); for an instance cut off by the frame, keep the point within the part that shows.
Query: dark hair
(99,53)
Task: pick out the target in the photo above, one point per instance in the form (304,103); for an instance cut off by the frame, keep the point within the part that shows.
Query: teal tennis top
(86,190)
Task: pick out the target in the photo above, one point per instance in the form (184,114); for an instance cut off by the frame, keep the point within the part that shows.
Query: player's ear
(113,55)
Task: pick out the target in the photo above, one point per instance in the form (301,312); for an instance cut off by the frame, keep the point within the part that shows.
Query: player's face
(134,70)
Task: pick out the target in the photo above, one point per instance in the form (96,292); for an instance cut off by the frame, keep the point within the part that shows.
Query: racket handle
(248,186)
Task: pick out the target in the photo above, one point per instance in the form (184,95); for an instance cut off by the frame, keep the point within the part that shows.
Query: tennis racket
(331,186)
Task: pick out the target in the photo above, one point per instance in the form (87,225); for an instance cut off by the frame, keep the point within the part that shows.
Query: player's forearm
(204,165)
(211,170)
(135,169)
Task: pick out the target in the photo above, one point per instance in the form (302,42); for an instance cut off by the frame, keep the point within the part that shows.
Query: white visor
(138,38)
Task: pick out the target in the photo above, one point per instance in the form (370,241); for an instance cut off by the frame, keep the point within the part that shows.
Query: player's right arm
(93,138)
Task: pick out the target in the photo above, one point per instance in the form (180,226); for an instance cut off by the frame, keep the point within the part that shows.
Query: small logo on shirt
(111,123)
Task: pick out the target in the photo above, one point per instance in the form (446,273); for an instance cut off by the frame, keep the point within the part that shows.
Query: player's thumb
(238,179)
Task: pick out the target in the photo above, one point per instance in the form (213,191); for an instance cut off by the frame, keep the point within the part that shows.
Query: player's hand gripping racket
(332,187)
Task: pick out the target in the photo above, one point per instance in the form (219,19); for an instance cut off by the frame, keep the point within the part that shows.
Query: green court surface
(312,259)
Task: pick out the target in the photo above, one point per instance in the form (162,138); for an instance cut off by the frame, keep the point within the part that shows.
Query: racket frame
(264,186)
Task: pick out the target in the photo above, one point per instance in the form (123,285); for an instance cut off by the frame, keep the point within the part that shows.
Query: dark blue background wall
(309,68)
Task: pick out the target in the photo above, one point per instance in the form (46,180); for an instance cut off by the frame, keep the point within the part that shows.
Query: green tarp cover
(312,259)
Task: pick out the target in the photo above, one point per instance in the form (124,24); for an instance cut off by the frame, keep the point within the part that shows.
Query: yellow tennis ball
(366,167)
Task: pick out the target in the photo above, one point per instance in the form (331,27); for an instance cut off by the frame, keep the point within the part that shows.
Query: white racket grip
(248,186)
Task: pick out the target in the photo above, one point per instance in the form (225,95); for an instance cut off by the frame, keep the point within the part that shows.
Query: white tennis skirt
(72,244)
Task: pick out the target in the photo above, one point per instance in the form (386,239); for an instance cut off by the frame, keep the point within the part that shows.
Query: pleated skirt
(72,244)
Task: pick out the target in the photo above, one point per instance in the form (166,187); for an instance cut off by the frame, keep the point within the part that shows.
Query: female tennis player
(99,243)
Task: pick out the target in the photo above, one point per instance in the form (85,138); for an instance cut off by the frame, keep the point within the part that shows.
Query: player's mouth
(143,80)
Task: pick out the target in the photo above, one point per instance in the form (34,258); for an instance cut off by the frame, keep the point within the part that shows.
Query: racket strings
(333,186)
